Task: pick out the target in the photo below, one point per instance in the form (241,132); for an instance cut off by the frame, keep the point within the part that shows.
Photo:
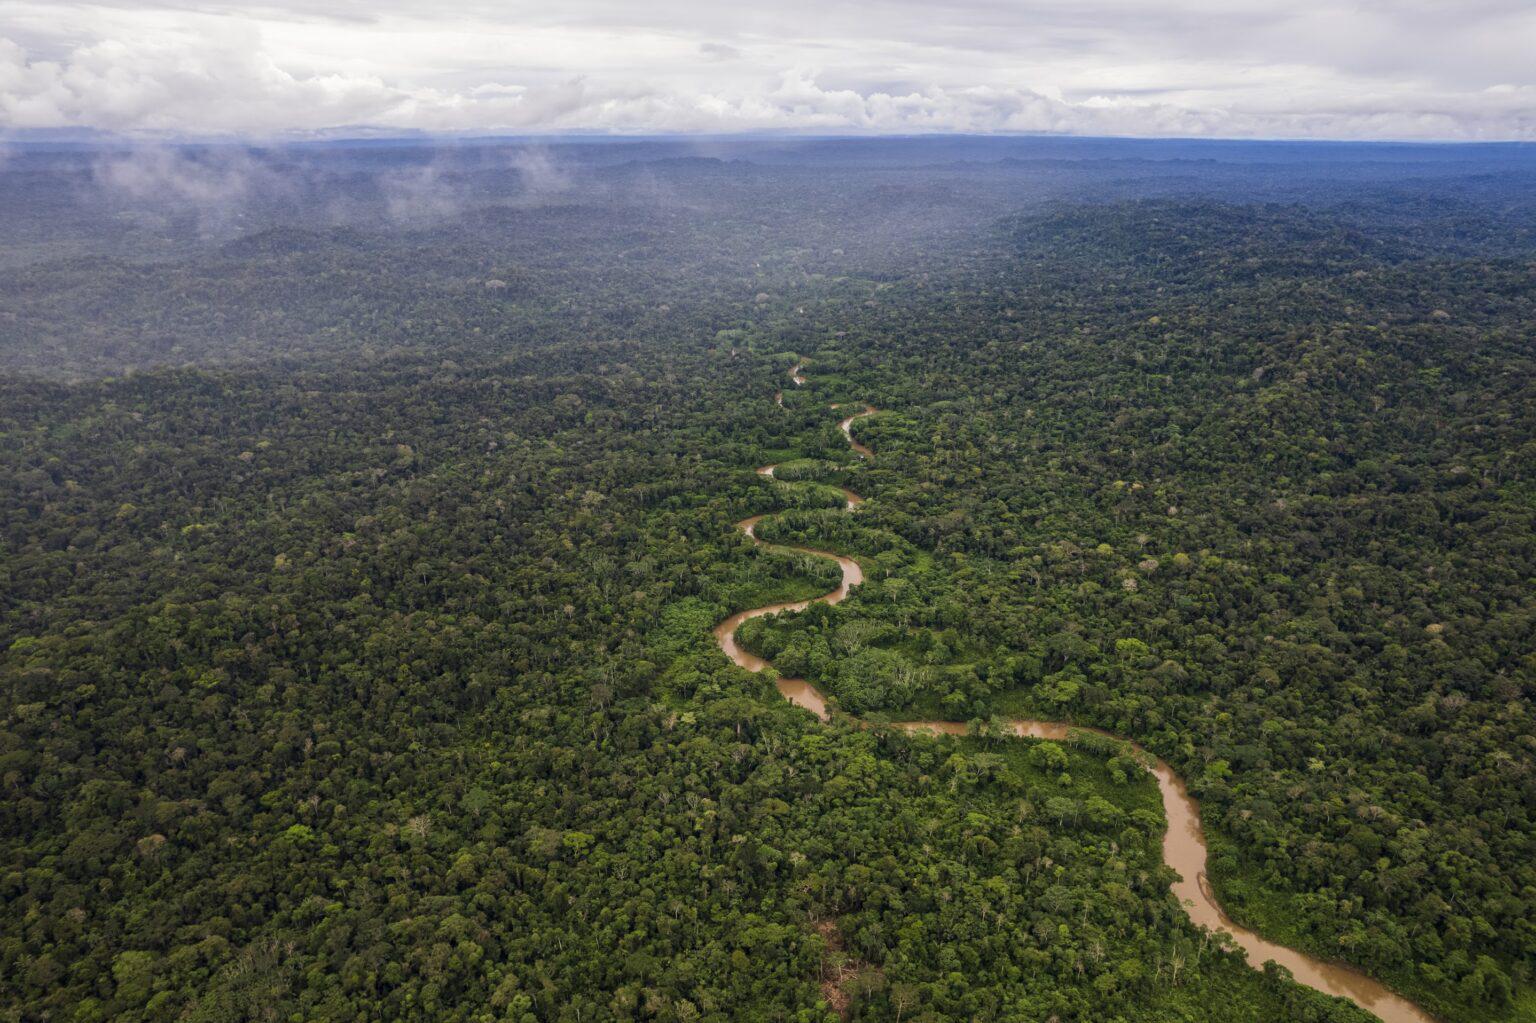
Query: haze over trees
(365,511)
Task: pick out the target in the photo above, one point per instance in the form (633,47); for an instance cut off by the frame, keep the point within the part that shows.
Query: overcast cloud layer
(1373,69)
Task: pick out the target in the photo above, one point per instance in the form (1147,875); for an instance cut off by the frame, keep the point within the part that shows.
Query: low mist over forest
(129,257)
(366,508)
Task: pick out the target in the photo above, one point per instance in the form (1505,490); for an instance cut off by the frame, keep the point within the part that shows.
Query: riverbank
(1184,843)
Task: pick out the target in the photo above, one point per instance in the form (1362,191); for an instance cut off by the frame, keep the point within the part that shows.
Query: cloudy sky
(1375,69)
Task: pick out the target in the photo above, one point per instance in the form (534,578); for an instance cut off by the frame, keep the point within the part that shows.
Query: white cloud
(1312,68)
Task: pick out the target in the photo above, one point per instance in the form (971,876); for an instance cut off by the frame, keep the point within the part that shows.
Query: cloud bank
(1239,68)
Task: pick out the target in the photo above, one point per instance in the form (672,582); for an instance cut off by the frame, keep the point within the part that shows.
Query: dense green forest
(357,579)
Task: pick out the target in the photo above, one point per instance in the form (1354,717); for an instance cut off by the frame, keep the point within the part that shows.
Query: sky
(1443,70)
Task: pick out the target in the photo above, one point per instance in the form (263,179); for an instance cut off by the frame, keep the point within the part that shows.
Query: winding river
(1184,842)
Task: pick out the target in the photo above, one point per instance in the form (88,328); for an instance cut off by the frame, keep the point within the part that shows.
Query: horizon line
(358,135)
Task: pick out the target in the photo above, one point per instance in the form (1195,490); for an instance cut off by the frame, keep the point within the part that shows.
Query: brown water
(794,375)
(847,427)
(1183,844)
(1184,851)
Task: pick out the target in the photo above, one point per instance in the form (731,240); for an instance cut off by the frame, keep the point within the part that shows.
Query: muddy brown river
(1184,842)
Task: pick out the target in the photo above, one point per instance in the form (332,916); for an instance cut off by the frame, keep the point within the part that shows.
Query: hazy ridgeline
(365,509)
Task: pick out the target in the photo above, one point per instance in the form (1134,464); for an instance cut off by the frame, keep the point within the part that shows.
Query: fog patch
(216,185)
(415,195)
(166,173)
(541,174)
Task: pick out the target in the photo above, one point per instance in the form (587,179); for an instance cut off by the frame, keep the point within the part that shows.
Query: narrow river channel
(1183,844)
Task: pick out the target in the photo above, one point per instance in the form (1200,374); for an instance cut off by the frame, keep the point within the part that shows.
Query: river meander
(1184,847)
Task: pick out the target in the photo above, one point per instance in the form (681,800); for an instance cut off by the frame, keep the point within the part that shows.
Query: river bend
(1184,846)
